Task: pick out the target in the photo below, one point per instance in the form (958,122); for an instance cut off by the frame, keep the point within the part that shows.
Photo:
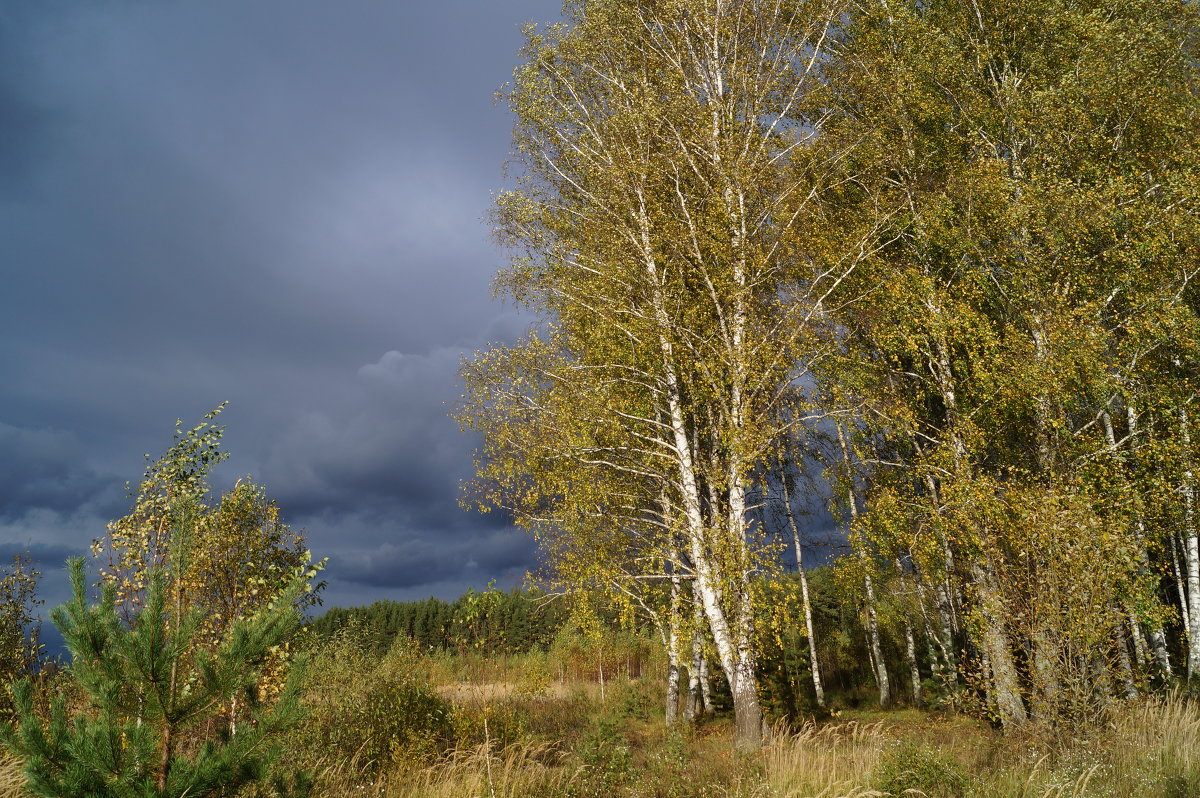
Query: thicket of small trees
(182,675)
(939,255)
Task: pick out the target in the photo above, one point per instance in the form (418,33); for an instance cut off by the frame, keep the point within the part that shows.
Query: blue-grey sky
(278,203)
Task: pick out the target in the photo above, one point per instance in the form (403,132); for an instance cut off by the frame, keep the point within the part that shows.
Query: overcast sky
(275,203)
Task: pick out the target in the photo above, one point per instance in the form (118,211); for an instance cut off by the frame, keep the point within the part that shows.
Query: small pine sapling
(154,726)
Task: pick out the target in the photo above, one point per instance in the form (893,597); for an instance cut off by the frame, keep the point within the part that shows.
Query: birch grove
(950,244)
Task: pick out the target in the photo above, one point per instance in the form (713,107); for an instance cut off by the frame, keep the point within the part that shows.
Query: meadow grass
(572,744)
(512,734)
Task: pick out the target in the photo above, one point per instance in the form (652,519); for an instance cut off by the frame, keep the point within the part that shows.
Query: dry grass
(522,770)
(831,761)
(564,742)
(12,781)
(1150,749)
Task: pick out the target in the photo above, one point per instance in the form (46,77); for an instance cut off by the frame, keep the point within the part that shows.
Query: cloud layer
(277,204)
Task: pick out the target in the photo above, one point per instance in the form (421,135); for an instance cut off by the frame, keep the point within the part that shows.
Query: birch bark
(1191,548)
(813,662)
(881,674)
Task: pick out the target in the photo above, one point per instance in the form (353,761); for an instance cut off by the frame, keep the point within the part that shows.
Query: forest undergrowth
(414,725)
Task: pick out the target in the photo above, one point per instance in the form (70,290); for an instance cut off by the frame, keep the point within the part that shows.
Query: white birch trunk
(945,604)
(672,709)
(705,686)
(673,665)
(946,616)
(935,648)
(880,668)
(693,706)
(881,674)
(747,711)
(813,660)
(1191,548)
(1139,641)
(814,665)
(1176,547)
(910,646)
(1158,639)
(914,673)
(935,664)
(706,580)
(1004,684)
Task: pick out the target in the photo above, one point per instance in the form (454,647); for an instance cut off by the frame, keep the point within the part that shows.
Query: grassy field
(1150,749)
(411,725)
(453,727)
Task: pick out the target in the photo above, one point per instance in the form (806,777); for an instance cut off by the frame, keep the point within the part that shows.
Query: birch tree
(665,172)
(1034,154)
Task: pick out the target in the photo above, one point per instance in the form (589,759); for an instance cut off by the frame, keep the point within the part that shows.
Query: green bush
(909,767)
(638,700)
(373,711)
(606,756)
(497,723)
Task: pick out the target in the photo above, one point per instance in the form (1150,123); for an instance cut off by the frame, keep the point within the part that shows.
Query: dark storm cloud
(395,443)
(377,481)
(26,125)
(427,558)
(43,556)
(46,469)
(23,126)
(274,203)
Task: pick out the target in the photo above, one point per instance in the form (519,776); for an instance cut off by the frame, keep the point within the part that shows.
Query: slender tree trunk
(881,674)
(910,646)
(910,650)
(1191,549)
(1135,634)
(813,660)
(942,592)
(736,653)
(1158,642)
(1005,683)
(1176,546)
(747,712)
(1158,638)
(814,665)
(705,686)
(698,672)
(164,761)
(948,663)
(935,664)
(694,706)
(672,708)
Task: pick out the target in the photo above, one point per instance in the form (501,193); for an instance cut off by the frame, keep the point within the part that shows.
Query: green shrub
(374,711)
(910,767)
(638,700)
(606,757)
(498,723)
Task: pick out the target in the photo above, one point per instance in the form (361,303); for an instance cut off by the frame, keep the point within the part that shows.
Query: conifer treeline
(507,623)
